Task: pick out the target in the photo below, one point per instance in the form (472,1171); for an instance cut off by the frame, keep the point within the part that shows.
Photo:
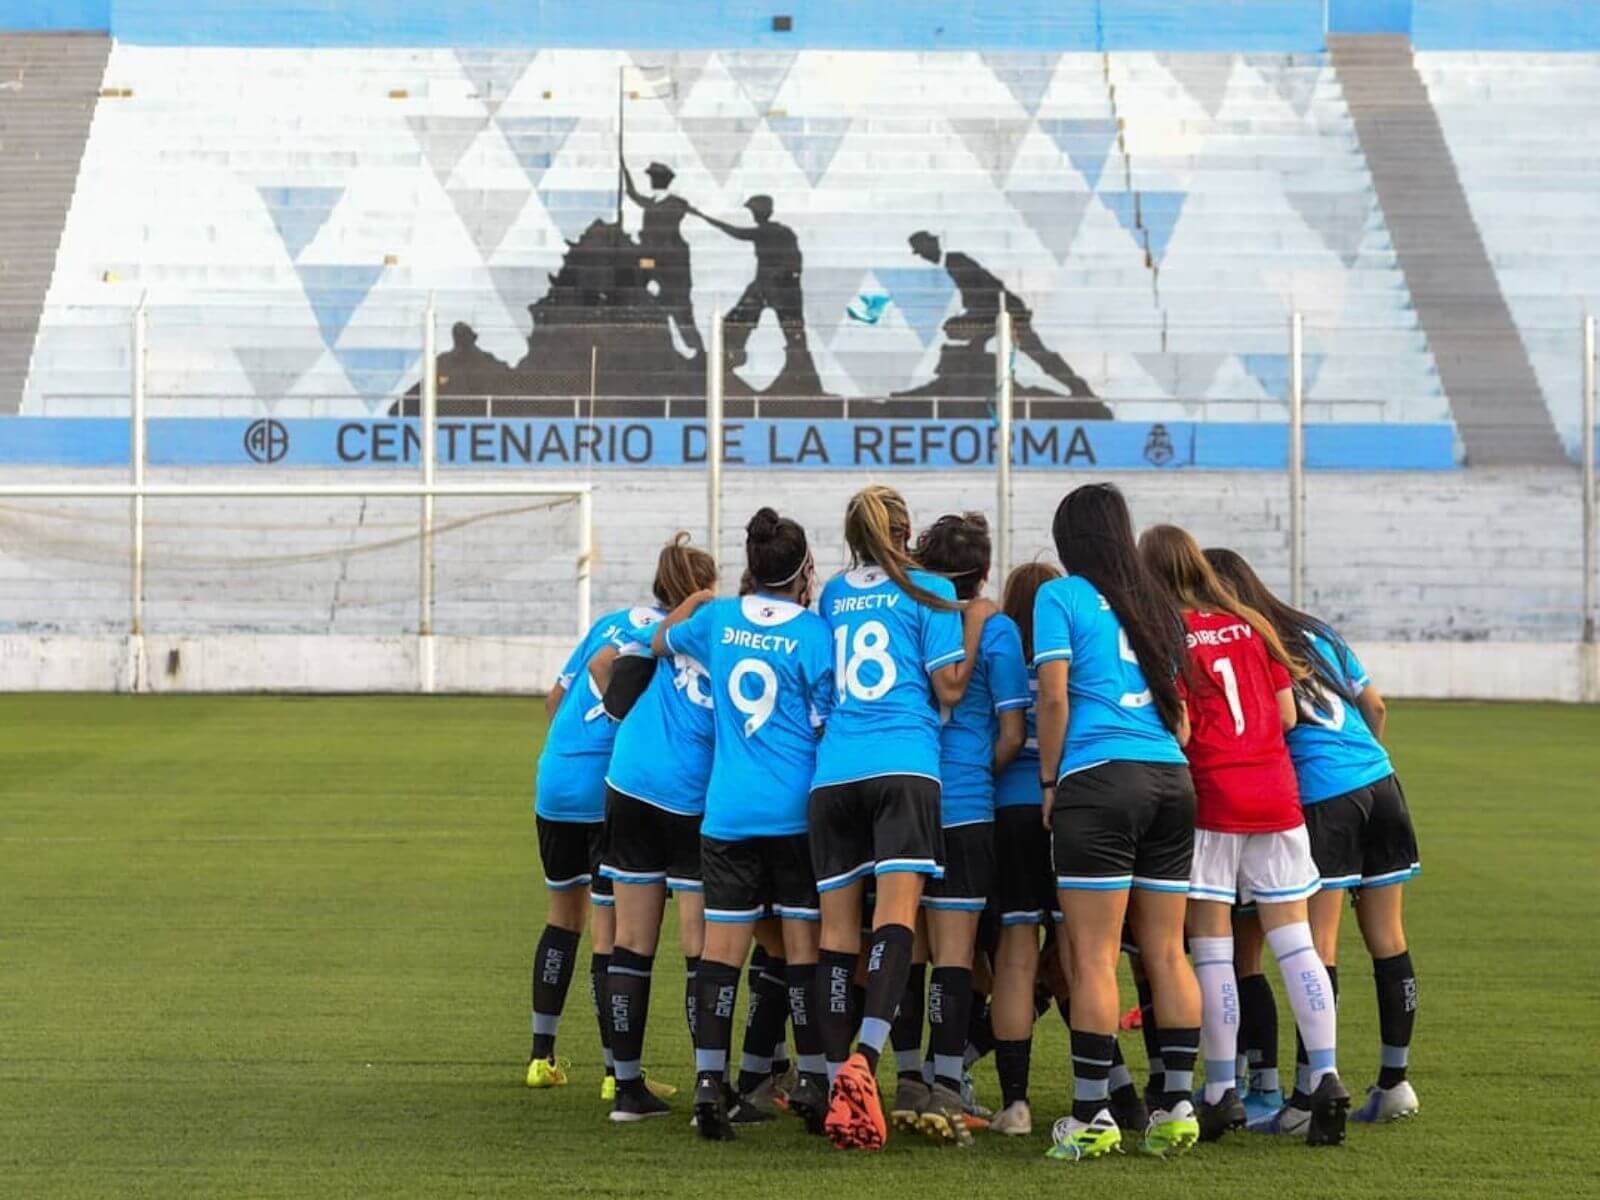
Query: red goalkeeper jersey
(1243,778)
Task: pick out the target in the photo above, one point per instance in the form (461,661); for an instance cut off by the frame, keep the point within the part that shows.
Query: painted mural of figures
(965,366)
(661,240)
(777,287)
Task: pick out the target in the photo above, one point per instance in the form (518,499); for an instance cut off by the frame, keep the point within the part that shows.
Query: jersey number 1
(1230,687)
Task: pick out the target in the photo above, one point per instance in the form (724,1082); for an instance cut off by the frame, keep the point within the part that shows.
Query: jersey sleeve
(1052,626)
(819,675)
(1008,674)
(693,637)
(576,661)
(941,628)
(1351,667)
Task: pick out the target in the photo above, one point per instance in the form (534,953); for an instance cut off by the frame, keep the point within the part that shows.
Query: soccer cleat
(1132,1019)
(978,1116)
(547,1072)
(711,1120)
(809,1101)
(1014,1120)
(658,1089)
(763,1097)
(943,1117)
(1226,1115)
(1291,1120)
(636,1103)
(741,1111)
(1388,1104)
(1330,1105)
(1171,1132)
(1258,1106)
(910,1096)
(855,1118)
(1129,1112)
(608,1088)
(1073,1140)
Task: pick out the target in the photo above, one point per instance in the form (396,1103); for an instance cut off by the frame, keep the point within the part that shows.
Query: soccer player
(978,738)
(1024,886)
(1361,833)
(655,793)
(1117,797)
(874,810)
(770,665)
(1251,844)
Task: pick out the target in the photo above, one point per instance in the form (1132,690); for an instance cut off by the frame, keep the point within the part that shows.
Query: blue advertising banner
(789,443)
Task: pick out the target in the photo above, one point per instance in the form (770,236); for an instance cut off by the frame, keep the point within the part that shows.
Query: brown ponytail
(682,570)
(1174,557)
(877,526)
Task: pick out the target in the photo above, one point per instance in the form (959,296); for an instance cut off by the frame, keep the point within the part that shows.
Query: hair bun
(763,526)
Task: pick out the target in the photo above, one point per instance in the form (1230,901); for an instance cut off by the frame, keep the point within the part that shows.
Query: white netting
(502,565)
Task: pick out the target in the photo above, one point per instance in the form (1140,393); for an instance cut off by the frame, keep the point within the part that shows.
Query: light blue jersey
(663,750)
(771,668)
(1333,749)
(966,740)
(571,780)
(885,719)
(1018,784)
(1111,715)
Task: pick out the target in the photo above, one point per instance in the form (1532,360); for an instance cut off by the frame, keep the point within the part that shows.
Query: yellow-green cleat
(1076,1141)
(661,1091)
(1171,1132)
(547,1073)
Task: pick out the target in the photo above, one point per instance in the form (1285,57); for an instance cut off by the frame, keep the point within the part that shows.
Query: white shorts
(1250,868)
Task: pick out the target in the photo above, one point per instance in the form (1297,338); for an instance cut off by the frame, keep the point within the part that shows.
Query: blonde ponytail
(877,526)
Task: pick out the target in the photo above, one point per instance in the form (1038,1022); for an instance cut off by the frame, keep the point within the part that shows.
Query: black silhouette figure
(776,286)
(661,242)
(966,367)
(465,370)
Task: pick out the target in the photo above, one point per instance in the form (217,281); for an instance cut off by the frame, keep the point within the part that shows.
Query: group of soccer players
(1146,752)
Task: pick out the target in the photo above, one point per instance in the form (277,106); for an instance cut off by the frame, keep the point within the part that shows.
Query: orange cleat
(1132,1019)
(855,1117)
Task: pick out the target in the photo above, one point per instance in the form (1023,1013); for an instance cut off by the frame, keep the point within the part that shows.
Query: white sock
(1219,1012)
(1310,996)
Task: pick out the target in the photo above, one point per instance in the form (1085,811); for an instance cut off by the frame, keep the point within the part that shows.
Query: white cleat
(1014,1120)
(1388,1104)
(1288,1120)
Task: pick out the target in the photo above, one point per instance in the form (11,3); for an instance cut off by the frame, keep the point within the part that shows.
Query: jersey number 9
(757,709)
(871,645)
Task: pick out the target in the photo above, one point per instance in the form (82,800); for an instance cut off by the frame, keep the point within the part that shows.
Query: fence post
(714,368)
(1297,464)
(1590,654)
(1003,396)
(137,458)
(428,412)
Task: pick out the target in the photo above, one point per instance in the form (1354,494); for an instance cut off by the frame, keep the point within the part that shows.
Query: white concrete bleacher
(1520,127)
(286,212)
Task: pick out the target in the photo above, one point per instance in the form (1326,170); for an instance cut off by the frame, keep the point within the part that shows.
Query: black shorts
(646,844)
(758,877)
(1364,838)
(1024,883)
(968,876)
(875,826)
(1124,824)
(569,852)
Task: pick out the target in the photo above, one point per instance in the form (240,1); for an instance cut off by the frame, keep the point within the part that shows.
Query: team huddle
(908,807)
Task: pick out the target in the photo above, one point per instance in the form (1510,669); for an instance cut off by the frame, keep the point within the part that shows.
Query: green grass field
(279,947)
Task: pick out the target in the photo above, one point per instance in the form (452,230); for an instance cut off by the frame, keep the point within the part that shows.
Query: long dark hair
(1022,585)
(1294,627)
(1094,537)
(957,546)
(775,548)
(877,526)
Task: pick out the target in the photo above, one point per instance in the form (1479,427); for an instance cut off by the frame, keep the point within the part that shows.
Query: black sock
(1179,1049)
(1302,1064)
(552,976)
(599,985)
(1151,1032)
(1258,1025)
(888,960)
(691,967)
(858,1005)
(764,1021)
(628,988)
(1091,1064)
(803,1012)
(1397,1014)
(949,998)
(1011,1062)
(980,1032)
(716,988)
(835,972)
(906,1033)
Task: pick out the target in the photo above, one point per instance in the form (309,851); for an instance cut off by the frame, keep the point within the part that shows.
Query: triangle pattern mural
(719,141)
(759,73)
(274,370)
(487,215)
(445,140)
(1204,76)
(1027,76)
(922,294)
(813,141)
(377,370)
(1271,371)
(683,69)
(1339,219)
(994,143)
(1054,217)
(299,213)
(334,293)
(535,142)
(573,209)
(1295,85)
(1086,143)
(494,73)
(1149,217)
